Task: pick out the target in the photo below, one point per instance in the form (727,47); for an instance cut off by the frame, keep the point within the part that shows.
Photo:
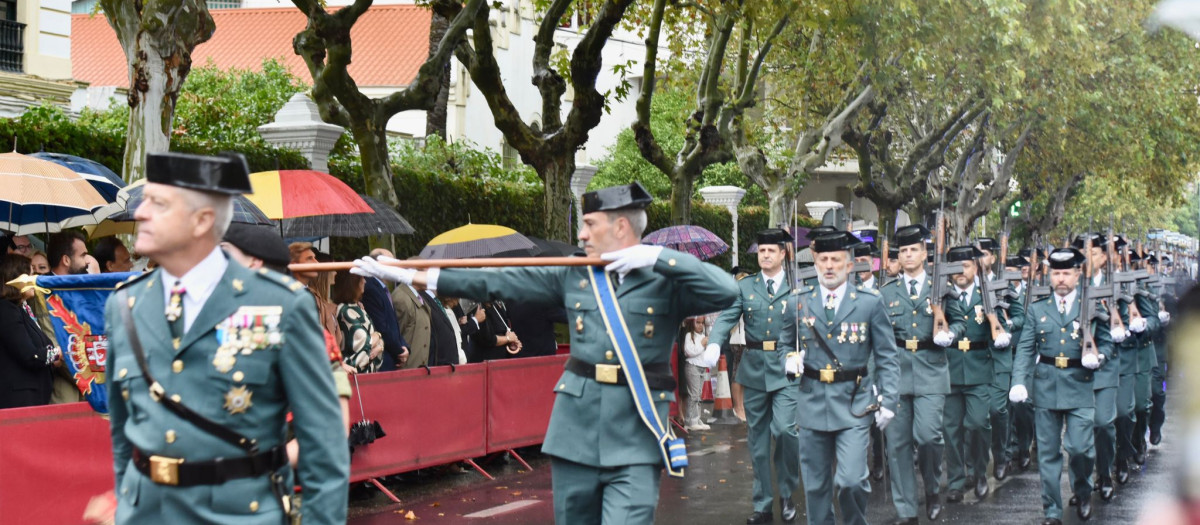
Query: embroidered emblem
(237,400)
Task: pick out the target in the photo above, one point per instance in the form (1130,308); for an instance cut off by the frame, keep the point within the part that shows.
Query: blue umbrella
(106,181)
(128,199)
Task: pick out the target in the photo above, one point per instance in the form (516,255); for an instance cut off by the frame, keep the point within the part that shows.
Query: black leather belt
(830,375)
(768,346)
(175,471)
(913,346)
(658,375)
(1061,362)
(965,345)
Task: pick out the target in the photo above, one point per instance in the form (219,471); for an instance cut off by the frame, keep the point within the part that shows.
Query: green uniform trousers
(1126,399)
(585,495)
(967,434)
(1142,405)
(773,415)
(1158,396)
(918,422)
(1106,431)
(1021,437)
(848,482)
(1000,418)
(1081,451)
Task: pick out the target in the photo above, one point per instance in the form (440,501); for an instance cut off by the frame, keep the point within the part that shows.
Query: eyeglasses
(22,247)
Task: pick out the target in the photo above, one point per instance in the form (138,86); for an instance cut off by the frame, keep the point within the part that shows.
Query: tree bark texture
(435,118)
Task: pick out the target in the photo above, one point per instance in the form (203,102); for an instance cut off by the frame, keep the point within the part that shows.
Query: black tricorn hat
(863,249)
(1098,240)
(911,234)
(819,231)
(1066,259)
(893,252)
(774,236)
(1016,261)
(1152,259)
(226,173)
(629,196)
(986,243)
(962,253)
(261,241)
(833,242)
(1134,256)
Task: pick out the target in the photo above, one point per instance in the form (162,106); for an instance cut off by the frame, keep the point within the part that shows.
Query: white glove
(632,258)
(943,338)
(795,364)
(1118,334)
(1164,316)
(1090,362)
(711,355)
(1003,341)
(1138,325)
(883,417)
(368,267)
(1018,394)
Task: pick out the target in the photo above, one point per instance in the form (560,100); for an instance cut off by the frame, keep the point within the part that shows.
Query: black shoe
(1051,521)
(981,487)
(1141,454)
(1134,466)
(1026,460)
(1001,471)
(906,521)
(933,506)
(787,510)
(760,517)
(1155,437)
(954,496)
(877,474)
(1074,501)
(1122,471)
(1084,510)
(1106,490)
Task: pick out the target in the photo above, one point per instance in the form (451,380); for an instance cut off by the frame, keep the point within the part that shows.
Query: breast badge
(237,400)
(250,328)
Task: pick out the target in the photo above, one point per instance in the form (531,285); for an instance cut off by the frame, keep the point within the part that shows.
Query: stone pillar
(298,126)
(817,209)
(729,197)
(579,183)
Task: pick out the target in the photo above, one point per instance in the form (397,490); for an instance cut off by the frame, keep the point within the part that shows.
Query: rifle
(1033,270)
(941,271)
(1114,287)
(989,301)
(883,255)
(1043,268)
(1087,297)
(1125,281)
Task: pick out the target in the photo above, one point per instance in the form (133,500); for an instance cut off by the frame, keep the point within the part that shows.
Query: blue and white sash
(672,448)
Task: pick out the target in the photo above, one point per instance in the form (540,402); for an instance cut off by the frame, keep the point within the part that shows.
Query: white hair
(637,220)
(222,206)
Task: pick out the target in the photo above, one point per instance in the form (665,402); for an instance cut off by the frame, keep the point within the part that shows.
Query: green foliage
(459,159)
(624,163)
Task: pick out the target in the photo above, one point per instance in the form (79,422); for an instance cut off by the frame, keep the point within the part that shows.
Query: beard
(833,282)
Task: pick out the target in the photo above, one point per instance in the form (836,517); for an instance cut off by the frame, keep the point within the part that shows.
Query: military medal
(842,336)
(648,331)
(237,400)
(862,332)
(579,324)
(854,333)
(978,314)
(810,321)
(224,360)
(928,306)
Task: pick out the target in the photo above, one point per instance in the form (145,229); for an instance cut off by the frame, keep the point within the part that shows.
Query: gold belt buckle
(964,344)
(164,470)
(911,344)
(769,346)
(1062,361)
(827,374)
(607,374)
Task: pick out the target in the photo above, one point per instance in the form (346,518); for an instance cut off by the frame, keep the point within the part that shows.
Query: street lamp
(729,197)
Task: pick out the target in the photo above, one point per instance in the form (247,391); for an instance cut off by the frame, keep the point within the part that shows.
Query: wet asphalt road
(717,491)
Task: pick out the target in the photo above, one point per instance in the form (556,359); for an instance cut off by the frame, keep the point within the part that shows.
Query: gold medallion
(224,362)
(237,400)
(648,331)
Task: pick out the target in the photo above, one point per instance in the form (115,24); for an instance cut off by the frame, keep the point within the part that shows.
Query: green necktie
(770,287)
(962,297)
(912,287)
(175,310)
(829,309)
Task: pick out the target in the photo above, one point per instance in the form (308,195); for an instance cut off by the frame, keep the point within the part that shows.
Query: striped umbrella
(37,196)
(688,238)
(130,197)
(106,181)
(287,194)
(479,240)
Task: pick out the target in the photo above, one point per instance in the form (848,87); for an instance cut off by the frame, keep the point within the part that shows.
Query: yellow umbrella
(479,240)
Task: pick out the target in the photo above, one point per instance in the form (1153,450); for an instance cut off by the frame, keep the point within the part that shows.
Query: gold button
(177,366)
(768,332)
(125,394)
(562,386)
(1064,329)
(176,398)
(170,436)
(914,312)
(124,372)
(1062,341)
(238,376)
(254,506)
(577,305)
(772,307)
(768,319)
(649,309)
(914,325)
(662,395)
(671,262)
(608,355)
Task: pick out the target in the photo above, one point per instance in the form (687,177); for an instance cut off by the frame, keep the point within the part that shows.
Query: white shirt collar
(869,283)
(1069,299)
(199,283)
(777,278)
(904,278)
(969,289)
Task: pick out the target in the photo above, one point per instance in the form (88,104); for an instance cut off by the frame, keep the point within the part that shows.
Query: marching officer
(924,377)
(1018,429)
(607,447)
(1060,384)
(864,252)
(842,328)
(1147,362)
(1158,374)
(207,359)
(766,302)
(971,375)
(1142,331)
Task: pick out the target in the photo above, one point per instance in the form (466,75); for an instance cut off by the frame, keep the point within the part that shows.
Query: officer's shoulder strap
(867,290)
(136,279)
(278,279)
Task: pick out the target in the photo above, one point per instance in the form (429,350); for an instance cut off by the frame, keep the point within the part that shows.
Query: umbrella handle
(358,391)
(493,262)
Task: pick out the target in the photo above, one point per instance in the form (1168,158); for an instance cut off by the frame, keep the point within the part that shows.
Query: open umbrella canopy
(688,238)
(130,197)
(287,194)
(382,221)
(479,240)
(38,196)
(106,181)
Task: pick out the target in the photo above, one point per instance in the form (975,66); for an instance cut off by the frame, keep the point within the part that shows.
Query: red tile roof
(390,44)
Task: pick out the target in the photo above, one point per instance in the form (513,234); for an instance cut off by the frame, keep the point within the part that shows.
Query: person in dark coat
(378,303)
(535,323)
(28,355)
(495,338)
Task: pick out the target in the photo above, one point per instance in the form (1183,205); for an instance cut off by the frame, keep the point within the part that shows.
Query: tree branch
(586,61)
(642,132)
(550,84)
(422,91)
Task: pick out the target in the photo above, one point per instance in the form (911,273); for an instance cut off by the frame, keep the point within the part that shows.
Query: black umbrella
(551,248)
(365,431)
(384,221)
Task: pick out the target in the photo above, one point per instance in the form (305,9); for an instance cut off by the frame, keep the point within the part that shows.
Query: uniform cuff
(431,279)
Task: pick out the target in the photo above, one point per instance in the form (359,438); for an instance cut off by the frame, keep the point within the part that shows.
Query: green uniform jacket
(971,367)
(925,371)
(290,376)
(767,318)
(826,406)
(1002,358)
(593,423)
(1049,333)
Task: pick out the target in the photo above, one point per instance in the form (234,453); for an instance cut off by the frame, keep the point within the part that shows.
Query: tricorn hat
(986,243)
(261,241)
(819,231)
(863,249)
(1016,261)
(226,173)
(774,236)
(1066,259)
(832,242)
(911,234)
(628,196)
(963,253)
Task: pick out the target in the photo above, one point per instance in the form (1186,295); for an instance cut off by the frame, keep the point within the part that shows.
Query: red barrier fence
(53,459)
